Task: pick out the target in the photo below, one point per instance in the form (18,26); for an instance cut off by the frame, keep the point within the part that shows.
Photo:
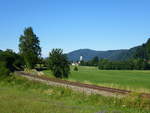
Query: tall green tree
(29,46)
(58,63)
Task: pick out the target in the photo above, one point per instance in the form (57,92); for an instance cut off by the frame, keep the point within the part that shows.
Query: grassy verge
(18,95)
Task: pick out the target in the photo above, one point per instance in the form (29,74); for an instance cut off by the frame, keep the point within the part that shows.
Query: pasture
(135,80)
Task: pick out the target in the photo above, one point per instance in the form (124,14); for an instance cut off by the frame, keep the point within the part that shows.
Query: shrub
(4,71)
(75,68)
(10,62)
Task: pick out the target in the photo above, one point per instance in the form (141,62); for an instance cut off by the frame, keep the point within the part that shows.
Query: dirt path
(86,88)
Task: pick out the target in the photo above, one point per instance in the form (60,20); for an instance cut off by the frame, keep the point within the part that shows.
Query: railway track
(83,85)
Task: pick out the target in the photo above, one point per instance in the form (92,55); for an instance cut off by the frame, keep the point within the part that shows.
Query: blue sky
(76,24)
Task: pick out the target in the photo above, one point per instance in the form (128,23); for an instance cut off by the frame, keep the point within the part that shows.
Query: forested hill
(113,55)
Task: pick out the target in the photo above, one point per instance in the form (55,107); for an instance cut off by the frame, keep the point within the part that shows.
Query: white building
(77,63)
(81,58)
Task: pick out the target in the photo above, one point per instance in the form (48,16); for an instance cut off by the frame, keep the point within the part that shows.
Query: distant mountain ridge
(113,55)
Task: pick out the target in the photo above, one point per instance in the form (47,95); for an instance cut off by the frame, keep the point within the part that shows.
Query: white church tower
(81,58)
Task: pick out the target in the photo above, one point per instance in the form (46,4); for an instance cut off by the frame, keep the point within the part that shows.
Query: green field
(135,80)
(18,95)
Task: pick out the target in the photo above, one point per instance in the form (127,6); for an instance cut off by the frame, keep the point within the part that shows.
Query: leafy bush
(9,62)
(4,71)
(12,60)
(75,68)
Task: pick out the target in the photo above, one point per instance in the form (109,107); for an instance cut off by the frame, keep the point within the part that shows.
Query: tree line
(131,64)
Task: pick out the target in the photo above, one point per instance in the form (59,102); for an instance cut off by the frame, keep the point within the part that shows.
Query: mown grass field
(18,95)
(135,80)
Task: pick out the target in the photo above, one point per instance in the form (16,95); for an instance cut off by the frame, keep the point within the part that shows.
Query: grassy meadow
(135,80)
(18,95)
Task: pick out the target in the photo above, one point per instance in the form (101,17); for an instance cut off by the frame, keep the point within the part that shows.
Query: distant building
(75,64)
(78,62)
